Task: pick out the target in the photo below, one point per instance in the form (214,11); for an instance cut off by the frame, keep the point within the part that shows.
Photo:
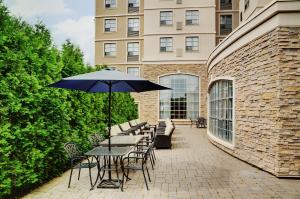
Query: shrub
(36,120)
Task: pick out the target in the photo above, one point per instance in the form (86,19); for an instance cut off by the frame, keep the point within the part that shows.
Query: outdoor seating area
(130,147)
(185,171)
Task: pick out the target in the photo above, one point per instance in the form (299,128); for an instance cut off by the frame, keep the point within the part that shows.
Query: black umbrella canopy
(101,81)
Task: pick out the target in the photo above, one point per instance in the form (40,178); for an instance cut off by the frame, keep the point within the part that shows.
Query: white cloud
(81,32)
(33,8)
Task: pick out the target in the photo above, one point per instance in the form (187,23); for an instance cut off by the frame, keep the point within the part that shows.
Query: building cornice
(119,39)
(186,33)
(266,20)
(180,8)
(120,15)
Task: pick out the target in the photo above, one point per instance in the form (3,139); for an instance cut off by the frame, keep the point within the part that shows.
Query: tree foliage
(36,120)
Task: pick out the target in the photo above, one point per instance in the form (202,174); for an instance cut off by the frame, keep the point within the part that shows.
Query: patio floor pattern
(192,169)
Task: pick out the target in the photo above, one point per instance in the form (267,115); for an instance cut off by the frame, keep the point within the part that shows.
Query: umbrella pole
(109,129)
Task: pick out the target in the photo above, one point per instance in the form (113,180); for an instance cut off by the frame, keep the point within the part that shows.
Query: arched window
(182,102)
(220,109)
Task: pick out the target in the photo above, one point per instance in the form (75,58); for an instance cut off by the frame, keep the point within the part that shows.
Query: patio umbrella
(107,81)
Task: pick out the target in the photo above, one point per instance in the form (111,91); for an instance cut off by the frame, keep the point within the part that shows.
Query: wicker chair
(76,156)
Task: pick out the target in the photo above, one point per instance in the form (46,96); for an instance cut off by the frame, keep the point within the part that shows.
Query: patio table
(117,153)
(125,140)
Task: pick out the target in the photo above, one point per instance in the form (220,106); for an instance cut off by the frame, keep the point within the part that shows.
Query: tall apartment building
(227,18)
(165,41)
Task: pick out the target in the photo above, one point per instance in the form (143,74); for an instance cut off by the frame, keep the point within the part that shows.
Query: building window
(191,44)
(133,5)
(133,27)
(166,18)
(166,44)
(133,51)
(192,17)
(246,2)
(110,25)
(110,49)
(225,24)
(220,109)
(110,3)
(134,71)
(226,4)
(182,102)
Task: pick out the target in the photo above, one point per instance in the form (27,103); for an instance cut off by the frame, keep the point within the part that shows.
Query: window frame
(130,42)
(191,50)
(160,18)
(139,4)
(220,27)
(110,4)
(179,109)
(166,47)
(138,67)
(210,134)
(186,18)
(104,49)
(133,18)
(104,25)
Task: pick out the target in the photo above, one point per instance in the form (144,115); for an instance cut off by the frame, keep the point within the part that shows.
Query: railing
(133,33)
(133,58)
(133,9)
(225,31)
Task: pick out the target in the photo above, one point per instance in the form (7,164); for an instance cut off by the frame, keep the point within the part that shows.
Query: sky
(66,19)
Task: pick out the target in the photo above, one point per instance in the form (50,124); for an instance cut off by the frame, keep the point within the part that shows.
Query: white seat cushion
(115,130)
(125,126)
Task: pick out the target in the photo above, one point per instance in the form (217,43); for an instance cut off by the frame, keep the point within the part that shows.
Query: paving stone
(199,170)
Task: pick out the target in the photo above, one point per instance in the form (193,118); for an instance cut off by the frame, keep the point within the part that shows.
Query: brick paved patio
(194,168)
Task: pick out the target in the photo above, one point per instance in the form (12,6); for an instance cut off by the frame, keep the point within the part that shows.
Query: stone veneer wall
(266,75)
(149,109)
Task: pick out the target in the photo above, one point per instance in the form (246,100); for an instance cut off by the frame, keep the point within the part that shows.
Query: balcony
(133,33)
(225,30)
(132,8)
(131,57)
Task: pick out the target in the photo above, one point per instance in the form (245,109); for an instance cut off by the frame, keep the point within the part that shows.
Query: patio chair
(148,144)
(95,139)
(201,123)
(76,157)
(137,161)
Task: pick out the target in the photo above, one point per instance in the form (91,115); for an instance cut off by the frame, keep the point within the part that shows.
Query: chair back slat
(72,149)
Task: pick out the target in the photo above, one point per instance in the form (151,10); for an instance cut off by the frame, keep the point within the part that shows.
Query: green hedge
(36,120)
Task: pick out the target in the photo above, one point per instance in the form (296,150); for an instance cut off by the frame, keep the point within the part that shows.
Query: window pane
(134,71)
(220,109)
(182,102)
(110,49)
(166,18)
(192,17)
(110,25)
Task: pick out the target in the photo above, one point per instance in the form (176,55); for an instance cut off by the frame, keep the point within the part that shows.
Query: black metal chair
(201,123)
(136,160)
(96,139)
(76,156)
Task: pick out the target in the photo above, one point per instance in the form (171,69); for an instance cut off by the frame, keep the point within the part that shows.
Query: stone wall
(267,98)
(149,109)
